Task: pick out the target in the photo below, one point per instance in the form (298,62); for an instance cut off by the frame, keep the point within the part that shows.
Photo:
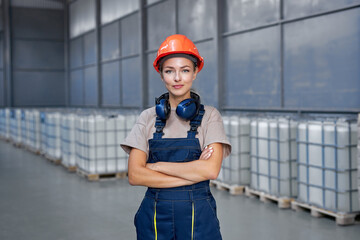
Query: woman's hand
(206,153)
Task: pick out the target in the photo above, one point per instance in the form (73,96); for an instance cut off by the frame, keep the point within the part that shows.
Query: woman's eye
(186,70)
(168,71)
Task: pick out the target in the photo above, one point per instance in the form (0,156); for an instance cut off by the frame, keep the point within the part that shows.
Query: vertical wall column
(143,56)
(219,52)
(98,51)
(281,47)
(7,52)
(67,54)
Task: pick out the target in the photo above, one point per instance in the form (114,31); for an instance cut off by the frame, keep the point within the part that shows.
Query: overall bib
(183,213)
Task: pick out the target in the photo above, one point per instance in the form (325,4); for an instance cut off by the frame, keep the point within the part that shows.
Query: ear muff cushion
(187,109)
(162,107)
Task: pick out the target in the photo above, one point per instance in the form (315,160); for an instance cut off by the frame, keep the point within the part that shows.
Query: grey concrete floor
(42,201)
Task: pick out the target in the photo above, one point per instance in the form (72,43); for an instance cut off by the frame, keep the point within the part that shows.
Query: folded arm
(206,168)
(139,174)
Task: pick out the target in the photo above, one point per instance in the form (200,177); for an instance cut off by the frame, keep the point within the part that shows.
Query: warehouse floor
(42,201)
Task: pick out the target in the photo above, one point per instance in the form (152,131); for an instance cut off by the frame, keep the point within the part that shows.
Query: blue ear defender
(162,106)
(187,109)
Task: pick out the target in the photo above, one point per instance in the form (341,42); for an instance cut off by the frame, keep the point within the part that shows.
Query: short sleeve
(214,132)
(137,136)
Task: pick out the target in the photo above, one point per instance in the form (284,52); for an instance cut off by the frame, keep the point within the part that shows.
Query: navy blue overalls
(187,212)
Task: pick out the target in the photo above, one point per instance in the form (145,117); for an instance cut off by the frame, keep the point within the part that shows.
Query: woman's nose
(177,76)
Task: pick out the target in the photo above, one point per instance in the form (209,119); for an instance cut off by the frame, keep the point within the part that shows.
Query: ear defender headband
(187,109)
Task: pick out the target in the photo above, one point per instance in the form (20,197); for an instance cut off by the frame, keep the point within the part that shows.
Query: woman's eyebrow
(174,67)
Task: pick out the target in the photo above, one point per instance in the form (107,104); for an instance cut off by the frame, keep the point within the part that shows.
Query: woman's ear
(195,73)
(161,76)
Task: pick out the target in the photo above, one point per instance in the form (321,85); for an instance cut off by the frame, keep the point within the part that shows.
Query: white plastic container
(273,156)
(33,129)
(98,141)
(15,126)
(5,123)
(43,132)
(68,140)
(53,148)
(235,169)
(24,131)
(327,165)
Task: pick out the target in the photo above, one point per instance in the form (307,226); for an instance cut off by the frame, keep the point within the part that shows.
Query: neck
(175,100)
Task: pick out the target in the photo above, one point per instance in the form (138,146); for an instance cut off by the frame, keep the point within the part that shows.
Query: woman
(175,148)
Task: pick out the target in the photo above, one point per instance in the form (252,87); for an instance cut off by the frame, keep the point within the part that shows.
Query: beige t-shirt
(210,131)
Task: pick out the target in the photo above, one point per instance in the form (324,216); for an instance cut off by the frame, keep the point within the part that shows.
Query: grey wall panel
(39,89)
(1,18)
(90,48)
(110,43)
(131,83)
(76,88)
(322,59)
(28,54)
(111,84)
(91,86)
(114,9)
(242,14)
(82,17)
(1,51)
(152,1)
(197,18)
(160,23)
(2,89)
(296,8)
(37,23)
(206,81)
(156,86)
(252,69)
(130,35)
(76,53)
(43,4)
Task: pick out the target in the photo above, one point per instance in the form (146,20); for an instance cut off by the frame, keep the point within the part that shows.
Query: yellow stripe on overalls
(155,222)
(192,222)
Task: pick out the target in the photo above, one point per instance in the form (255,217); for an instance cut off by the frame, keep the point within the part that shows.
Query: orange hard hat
(178,44)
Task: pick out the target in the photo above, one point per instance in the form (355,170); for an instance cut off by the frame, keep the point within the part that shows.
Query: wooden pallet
(342,219)
(56,161)
(282,202)
(30,149)
(69,168)
(18,145)
(232,189)
(101,176)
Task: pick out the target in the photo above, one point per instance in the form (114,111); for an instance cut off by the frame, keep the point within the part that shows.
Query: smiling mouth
(177,86)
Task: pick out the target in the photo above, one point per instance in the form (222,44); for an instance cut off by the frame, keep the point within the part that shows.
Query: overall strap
(196,122)
(159,125)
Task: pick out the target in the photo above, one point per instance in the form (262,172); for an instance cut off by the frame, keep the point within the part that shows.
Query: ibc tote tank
(98,144)
(5,123)
(43,131)
(273,156)
(68,140)
(53,150)
(15,125)
(327,164)
(235,168)
(34,129)
(24,131)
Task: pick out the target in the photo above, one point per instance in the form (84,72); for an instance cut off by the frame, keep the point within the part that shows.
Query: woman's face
(178,74)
